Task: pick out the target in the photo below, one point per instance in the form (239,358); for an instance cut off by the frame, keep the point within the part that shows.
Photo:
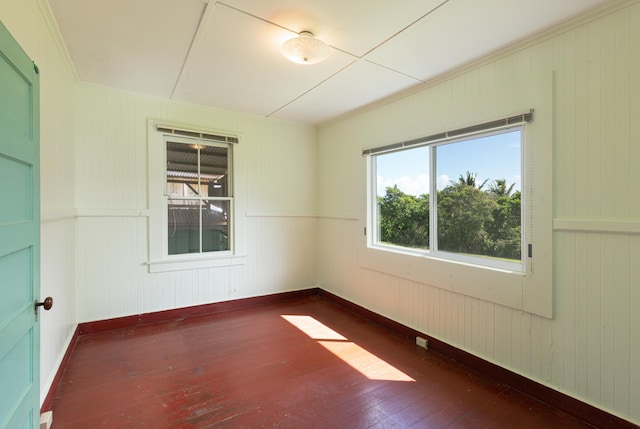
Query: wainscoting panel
(275,178)
(114,281)
(590,350)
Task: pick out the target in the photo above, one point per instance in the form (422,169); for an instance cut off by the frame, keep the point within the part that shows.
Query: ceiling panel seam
(394,70)
(249,14)
(206,14)
(312,88)
(402,30)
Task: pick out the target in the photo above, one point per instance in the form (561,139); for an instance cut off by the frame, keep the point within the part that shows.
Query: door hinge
(365,231)
(530,250)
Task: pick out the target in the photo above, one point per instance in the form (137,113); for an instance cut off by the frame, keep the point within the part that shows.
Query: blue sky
(491,157)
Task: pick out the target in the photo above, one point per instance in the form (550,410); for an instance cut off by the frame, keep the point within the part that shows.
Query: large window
(454,198)
(199,197)
(463,202)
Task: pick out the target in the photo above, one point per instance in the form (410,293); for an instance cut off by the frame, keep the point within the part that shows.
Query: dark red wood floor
(320,366)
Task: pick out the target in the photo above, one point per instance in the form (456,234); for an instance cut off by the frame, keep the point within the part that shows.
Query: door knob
(46,304)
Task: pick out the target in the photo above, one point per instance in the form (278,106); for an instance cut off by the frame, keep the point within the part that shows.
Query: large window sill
(480,262)
(502,287)
(191,262)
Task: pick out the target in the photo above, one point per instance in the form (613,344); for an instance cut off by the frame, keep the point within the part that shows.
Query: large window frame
(432,145)
(529,289)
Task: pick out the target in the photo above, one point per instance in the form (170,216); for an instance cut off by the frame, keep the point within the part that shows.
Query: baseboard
(48,400)
(586,412)
(194,311)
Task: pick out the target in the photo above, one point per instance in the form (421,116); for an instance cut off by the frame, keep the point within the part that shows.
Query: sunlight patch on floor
(366,363)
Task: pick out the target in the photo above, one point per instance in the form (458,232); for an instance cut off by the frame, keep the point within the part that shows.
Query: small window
(199,194)
(454,199)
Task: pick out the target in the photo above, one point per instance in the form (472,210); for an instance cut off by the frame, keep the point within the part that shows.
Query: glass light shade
(305,49)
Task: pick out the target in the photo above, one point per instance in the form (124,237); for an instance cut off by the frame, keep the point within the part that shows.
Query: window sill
(180,263)
(471,261)
(488,284)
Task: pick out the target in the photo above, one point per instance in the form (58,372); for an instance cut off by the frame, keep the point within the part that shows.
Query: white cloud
(409,185)
(443,181)
(517,180)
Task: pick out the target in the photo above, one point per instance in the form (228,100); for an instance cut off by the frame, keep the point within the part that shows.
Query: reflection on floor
(356,357)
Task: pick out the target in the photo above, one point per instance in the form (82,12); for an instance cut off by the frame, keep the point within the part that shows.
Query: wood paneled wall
(275,190)
(591,349)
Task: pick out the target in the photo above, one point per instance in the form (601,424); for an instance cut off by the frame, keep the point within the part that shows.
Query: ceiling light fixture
(305,49)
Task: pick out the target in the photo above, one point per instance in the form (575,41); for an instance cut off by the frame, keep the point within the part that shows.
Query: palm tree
(469,180)
(499,188)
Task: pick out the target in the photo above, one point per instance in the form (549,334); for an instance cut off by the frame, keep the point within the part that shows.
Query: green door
(19,237)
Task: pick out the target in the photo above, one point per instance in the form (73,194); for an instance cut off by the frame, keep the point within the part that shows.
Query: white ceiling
(227,54)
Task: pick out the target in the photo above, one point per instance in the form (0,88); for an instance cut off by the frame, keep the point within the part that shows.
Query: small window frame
(158,258)
(199,142)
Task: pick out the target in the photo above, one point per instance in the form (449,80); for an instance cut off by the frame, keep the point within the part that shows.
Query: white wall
(275,191)
(591,349)
(30,24)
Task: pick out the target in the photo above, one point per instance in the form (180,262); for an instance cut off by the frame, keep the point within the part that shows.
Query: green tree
(505,228)
(463,211)
(404,219)
(470,179)
(470,220)
(499,188)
